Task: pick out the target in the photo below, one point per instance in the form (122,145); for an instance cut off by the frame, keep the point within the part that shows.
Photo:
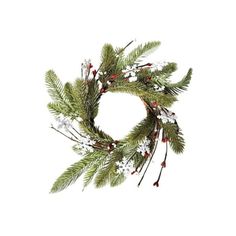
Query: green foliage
(55,87)
(55,90)
(141,90)
(141,130)
(92,99)
(79,93)
(138,159)
(75,170)
(109,60)
(117,179)
(141,50)
(166,70)
(68,91)
(92,170)
(175,136)
(58,108)
(104,174)
(94,132)
(180,86)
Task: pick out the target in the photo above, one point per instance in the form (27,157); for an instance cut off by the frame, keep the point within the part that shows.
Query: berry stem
(152,154)
(52,127)
(163,165)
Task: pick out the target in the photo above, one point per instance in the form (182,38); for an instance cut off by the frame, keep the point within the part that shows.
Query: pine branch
(175,136)
(91,172)
(92,99)
(55,89)
(166,70)
(68,91)
(141,50)
(74,171)
(141,130)
(79,93)
(180,86)
(103,175)
(94,132)
(117,179)
(141,90)
(109,60)
(58,108)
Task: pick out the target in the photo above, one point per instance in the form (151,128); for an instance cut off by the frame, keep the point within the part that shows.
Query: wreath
(75,106)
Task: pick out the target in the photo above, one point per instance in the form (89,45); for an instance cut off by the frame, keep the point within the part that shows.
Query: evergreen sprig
(141,90)
(103,159)
(75,170)
(55,89)
(182,85)
(104,174)
(141,51)
(175,137)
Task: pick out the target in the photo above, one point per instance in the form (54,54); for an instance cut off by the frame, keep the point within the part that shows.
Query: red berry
(149,64)
(163,164)
(114,76)
(90,66)
(154,104)
(149,78)
(94,72)
(155,134)
(165,139)
(146,154)
(102,90)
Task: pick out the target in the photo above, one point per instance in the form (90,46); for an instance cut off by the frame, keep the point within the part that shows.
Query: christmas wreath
(75,106)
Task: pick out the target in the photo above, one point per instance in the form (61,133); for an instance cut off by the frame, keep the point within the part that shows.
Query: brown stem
(64,134)
(78,132)
(163,165)
(152,154)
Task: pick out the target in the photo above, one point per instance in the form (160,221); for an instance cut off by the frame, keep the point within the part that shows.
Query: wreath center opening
(119,113)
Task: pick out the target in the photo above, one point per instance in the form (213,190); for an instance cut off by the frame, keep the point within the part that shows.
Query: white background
(197,192)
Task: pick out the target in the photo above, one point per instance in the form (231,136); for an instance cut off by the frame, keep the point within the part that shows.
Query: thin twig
(130,158)
(78,132)
(72,134)
(126,46)
(140,170)
(52,127)
(162,166)
(152,155)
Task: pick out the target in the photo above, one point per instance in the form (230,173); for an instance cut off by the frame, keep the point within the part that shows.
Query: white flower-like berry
(158,66)
(85,144)
(130,72)
(144,147)
(133,79)
(88,141)
(102,73)
(63,122)
(125,167)
(83,149)
(167,116)
(159,88)
(85,69)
